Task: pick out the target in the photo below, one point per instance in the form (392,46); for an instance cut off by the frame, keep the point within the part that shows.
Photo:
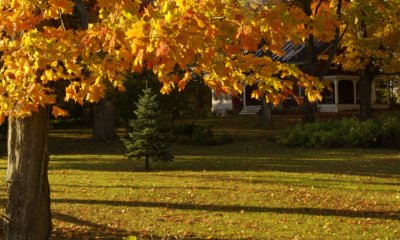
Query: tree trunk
(309,109)
(27,215)
(311,61)
(266,114)
(365,95)
(147,163)
(104,124)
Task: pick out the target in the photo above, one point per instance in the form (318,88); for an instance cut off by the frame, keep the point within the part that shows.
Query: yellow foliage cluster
(215,38)
(371,40)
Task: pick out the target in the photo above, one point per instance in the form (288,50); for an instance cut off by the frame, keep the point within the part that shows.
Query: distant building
(343,94)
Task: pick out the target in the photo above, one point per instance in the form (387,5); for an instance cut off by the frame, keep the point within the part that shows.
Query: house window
(227,97)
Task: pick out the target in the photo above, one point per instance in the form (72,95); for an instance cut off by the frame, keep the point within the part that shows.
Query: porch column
(355,91)
(336,83)
(373,92)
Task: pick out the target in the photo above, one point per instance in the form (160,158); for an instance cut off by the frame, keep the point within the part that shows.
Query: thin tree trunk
(266,114)
(366,77)
(104,124)
(365,95)
(27,214)
(147,163)
(309,108)
(311,62)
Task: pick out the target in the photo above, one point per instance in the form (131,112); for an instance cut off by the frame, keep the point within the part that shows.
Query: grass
(251,189)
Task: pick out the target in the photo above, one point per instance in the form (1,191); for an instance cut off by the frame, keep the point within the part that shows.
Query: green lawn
(251,189)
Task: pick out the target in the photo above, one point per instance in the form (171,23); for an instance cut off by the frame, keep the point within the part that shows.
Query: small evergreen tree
(144,139)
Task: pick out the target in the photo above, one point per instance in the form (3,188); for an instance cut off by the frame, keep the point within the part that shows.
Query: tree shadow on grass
(240,156)
(88,230)
(74,146)
(253,209)
(388,168)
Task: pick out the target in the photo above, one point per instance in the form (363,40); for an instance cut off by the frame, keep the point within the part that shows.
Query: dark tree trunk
(27,214)
(366,77)
(147,163)
(172,123)
(309,110)
(311,62)
(104,124)
(266,114)
(365,95)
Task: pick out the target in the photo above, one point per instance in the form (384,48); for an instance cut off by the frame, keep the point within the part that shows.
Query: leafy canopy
(215,38)
(371,39)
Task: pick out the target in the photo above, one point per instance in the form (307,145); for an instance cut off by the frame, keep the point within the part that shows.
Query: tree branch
(318,6)
(61,20)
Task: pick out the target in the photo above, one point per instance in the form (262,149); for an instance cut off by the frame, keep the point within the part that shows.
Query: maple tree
(41,45)
(324,26)
(370,45)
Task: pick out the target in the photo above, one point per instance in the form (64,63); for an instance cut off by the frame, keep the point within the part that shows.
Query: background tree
(104,118)
(324,25)
(370,46)
(144,138)
(193,100)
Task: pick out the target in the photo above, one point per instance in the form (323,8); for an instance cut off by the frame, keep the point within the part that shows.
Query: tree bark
(365,95)
(104,122)
(309,109)
(27,214)
(311,61)
(266,114)
(366,77)
(147,163)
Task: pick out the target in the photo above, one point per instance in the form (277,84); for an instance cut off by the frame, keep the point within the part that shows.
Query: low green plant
(349,132)
(391,132)
(198,135)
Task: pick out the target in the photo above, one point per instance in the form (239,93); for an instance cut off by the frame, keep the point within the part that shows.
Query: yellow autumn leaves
(174,38)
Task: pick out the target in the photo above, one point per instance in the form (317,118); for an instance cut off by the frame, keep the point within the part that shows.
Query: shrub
(193,134)
(345,133)
(363,134)
(391,132)
(319,134)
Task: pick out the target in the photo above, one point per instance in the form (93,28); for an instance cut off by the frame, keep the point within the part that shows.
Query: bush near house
(198,135)
(346,133)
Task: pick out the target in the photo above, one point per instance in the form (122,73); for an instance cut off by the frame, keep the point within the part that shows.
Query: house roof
(293,53)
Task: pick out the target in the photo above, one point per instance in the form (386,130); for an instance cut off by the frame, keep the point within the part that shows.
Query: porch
(343,94)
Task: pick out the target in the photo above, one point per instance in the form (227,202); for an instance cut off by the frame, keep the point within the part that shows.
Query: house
(343,94)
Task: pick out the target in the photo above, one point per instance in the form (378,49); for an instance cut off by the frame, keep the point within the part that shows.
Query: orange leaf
(58,112)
